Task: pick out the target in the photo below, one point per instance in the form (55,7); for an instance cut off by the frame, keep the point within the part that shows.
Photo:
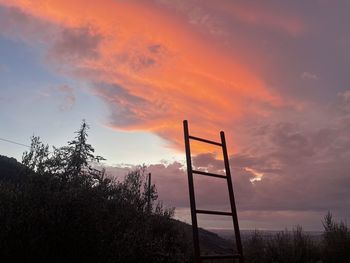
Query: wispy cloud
(69,97)
(309,76)
(63,94)
(76,44)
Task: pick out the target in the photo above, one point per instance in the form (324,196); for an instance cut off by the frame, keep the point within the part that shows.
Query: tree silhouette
(62,209)
(37,157)
(80,152)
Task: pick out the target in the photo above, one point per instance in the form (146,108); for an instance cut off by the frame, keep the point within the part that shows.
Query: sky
(274,75)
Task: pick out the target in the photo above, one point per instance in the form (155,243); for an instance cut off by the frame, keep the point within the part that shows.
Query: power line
(18,143)
(13,142)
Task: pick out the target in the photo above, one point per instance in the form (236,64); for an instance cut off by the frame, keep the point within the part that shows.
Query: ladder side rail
(197,258)
(232,197)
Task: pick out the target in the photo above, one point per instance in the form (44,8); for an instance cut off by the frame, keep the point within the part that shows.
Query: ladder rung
(221,256)
(210,212)
(204,140)
(209,174)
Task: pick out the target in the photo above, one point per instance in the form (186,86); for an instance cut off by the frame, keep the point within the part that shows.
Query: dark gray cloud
(304,173)
(16,24)
(123,105)
(303,169)
(142,58)
(62,44)
(127,109)
(287,43)
(76,43)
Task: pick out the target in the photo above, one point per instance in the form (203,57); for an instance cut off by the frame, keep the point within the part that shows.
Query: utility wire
(13,142)
(18,143)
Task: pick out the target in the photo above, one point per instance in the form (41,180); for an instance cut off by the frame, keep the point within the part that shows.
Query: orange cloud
(158,69)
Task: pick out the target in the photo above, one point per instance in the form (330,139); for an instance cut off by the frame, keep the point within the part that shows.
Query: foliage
(284,247)
(37,157)
(61,209)
(255,248)
(67,161)
(296,246)
(336,240)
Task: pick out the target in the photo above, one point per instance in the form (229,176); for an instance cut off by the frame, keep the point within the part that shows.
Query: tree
(68,162)
(37,157)
(135,189)
(64,210)
(80,152)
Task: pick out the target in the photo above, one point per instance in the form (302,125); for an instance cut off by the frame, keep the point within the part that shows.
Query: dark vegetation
(296,246)
(56,207)
(286,246)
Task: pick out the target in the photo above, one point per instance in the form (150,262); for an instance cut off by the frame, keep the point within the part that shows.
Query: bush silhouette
(336,240)
(283,247)
(61,209)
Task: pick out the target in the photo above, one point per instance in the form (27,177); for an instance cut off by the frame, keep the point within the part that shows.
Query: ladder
(194,211)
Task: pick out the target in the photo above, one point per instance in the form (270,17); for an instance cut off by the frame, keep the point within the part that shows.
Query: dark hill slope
(210,242)
(10,169)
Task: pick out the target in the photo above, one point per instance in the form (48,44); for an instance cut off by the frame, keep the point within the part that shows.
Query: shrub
(336,240)
(61,209)
(283,247)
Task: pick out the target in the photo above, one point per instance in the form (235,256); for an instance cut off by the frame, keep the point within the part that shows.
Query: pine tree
(80,152)
(37,157)
(69,161)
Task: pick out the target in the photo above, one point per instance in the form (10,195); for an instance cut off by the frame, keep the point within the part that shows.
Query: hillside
(211,243)
(10,169)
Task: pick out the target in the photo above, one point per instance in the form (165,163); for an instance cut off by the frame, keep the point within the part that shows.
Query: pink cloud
(153,69)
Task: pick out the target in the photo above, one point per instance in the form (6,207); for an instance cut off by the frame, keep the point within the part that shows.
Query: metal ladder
(194,211)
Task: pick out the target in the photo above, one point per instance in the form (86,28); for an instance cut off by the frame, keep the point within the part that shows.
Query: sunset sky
(274,75)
